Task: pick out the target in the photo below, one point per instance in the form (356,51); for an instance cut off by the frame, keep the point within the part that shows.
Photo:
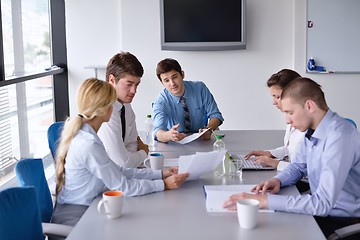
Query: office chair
(30,172)
(19,214)
(53,134)
(348,232)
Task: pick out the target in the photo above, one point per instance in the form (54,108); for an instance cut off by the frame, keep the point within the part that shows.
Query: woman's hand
(169,171)
(258,153)
(267,161)
(175,181)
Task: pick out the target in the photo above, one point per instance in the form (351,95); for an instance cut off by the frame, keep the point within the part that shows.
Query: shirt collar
(117,106)
(321,131)
(87,128)
(322,128)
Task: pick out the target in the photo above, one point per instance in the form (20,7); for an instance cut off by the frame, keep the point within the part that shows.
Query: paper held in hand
(192,137)
(200,163)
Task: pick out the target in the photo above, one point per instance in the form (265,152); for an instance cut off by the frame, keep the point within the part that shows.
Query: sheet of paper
(192,137)
(217,194)
(200,163)
(171,162)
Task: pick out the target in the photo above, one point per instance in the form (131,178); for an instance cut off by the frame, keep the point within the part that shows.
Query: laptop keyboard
(250,163)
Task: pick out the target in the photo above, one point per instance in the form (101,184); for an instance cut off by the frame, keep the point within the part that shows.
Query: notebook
(250,164)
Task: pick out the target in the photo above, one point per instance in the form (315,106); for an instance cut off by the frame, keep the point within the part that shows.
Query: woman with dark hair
(280,157)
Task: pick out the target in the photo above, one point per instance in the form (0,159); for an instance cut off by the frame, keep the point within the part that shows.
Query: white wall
(276,39)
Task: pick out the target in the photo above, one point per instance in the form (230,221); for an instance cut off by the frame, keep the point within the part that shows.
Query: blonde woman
(84,170)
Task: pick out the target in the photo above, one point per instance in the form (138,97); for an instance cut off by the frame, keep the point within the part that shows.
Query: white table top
(181,214)
(235,141)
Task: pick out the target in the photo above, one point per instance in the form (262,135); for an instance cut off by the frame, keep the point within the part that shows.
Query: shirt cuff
(277,153)
(143,155)
(277,202)
(159,185)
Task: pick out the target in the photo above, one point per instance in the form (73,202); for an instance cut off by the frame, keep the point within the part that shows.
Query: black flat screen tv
(203,25)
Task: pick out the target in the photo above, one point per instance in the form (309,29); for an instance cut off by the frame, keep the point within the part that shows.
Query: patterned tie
(187,115)
(123,123)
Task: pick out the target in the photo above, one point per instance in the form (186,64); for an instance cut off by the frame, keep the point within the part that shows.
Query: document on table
(192,137)
(217,194)
(200,163)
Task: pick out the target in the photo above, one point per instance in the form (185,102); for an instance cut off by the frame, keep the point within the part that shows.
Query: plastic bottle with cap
(149,128)
(218,146)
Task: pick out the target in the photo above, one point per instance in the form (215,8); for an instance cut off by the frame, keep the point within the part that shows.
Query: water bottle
(149,128)
(218,146)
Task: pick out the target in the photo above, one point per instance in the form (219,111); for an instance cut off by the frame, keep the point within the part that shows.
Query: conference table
(181,213)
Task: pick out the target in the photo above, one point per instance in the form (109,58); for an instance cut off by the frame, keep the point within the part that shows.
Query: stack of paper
(217,194)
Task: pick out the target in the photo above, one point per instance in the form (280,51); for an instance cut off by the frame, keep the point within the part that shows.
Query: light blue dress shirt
(89,172)
(168,110)
(331,160)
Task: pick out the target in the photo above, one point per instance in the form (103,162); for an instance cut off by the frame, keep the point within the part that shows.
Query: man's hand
(174,135)
(207,135)
(142,146)
(230,203)
(272,185)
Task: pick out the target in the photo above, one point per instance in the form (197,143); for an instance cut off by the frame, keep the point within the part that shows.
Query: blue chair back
(352,121)
(30,172)
(53,134)
(19,214)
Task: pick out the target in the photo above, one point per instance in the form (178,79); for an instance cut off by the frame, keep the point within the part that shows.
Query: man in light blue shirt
(183,106)
(329,157)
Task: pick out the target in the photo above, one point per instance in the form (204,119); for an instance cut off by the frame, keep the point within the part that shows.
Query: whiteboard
(333,34)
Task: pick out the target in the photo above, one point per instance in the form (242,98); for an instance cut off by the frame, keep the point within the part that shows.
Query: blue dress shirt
(89,172)
(331,160)
(168,110)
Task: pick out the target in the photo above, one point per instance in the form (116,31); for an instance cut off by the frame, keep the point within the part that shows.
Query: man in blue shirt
(183,106)
(329,157)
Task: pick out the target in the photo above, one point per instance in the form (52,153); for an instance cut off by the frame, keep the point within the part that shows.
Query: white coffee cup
(155,161)
(111,204)
(247,211)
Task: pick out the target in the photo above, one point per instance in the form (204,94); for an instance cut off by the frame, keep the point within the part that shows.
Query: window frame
(59,59)
(58,71)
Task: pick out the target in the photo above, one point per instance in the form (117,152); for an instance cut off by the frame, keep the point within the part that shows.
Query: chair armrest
(345,231)
(56,230)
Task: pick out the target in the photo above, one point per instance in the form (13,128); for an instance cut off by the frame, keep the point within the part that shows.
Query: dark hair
(302,89)
(124,63)
(166,65)
(282,78)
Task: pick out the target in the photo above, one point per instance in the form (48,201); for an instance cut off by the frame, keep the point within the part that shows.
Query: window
(33,84)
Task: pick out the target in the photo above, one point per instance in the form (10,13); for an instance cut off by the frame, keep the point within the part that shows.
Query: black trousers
(68,214)
(329,224)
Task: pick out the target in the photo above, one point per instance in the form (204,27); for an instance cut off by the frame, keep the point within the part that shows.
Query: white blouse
(292,142)
(89,171)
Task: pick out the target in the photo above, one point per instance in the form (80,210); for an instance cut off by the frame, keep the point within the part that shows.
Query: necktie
(187,115)
(123,123)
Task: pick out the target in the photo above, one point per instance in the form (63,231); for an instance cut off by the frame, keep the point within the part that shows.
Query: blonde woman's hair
(94,98)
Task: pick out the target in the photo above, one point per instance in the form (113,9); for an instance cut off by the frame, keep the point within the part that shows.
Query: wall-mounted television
(203,25)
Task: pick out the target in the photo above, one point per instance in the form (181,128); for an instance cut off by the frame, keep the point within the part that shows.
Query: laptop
(250,164)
